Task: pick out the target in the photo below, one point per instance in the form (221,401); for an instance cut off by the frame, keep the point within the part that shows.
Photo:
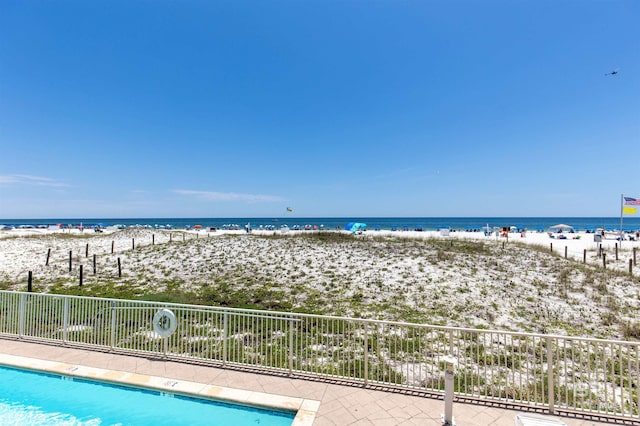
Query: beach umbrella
(562,227)
(198,226)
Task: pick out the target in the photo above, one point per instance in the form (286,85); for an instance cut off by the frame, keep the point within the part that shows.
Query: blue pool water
(32,398)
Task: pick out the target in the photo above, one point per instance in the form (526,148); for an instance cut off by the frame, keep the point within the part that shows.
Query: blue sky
(334,108)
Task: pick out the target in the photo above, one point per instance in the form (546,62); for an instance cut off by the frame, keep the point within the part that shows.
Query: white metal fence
(553,372)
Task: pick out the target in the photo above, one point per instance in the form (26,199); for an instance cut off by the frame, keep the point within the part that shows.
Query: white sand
(377,274)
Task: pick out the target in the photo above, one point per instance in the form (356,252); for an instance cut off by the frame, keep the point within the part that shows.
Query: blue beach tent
(355,226)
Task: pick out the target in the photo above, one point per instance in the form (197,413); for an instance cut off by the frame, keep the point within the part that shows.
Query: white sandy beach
(463,279)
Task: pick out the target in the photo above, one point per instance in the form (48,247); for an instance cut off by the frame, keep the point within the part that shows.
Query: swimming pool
(36,398)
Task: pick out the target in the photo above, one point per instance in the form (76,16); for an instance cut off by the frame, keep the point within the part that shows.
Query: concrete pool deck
(321,402)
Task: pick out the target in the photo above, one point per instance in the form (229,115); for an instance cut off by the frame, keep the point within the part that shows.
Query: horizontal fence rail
(552,372)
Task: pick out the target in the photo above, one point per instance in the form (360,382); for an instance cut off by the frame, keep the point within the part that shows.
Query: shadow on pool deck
(340,404)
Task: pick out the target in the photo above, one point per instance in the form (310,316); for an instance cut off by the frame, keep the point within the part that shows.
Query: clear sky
(212,108)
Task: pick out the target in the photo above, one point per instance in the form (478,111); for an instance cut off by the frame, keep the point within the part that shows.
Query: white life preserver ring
(164,323)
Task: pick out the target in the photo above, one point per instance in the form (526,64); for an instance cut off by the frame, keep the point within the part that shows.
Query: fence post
(70,254)
(225,325)
(550,386)
(30,282)
(48,256)
(616,251)
(153,239)
(22,315)
(634,256)
(86,252)
(112,245)
(80,276)
(451,342)
(133,244)
(565,252)
(119,269)
(366,354)
(114,311)
(630,267)
(604,260)
(551,247)
(94,264)
(290,345)
(584,256)
(65,320)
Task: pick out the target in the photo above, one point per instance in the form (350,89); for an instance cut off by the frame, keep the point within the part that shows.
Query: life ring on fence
(164,323)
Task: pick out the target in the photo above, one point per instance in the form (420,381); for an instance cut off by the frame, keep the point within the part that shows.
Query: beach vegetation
(432,280)
(631,330)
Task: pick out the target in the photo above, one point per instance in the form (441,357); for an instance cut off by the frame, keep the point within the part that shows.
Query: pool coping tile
(305,409)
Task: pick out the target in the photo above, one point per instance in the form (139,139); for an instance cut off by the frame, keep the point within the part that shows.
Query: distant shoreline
(540,224)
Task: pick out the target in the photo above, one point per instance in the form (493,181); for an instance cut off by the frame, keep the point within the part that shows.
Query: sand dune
(464,279)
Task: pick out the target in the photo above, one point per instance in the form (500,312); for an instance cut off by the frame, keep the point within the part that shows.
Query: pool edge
(305,409)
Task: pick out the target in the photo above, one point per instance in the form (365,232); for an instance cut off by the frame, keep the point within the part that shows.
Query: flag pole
(621,211)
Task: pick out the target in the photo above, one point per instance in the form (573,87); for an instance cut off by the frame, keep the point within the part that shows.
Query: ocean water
(331,223)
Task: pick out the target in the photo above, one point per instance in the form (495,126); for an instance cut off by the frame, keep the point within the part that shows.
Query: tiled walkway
(339,404)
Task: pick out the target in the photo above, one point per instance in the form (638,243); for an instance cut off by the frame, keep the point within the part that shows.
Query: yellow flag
(629,210)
